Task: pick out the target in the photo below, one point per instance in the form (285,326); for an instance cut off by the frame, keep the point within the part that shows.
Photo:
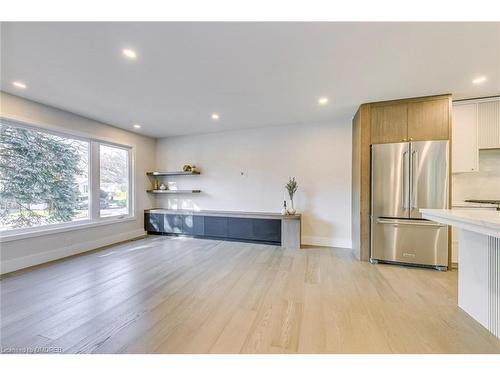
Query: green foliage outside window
(38,169)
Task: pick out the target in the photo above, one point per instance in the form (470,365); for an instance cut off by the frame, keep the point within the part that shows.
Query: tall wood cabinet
(361,181)
(404,120)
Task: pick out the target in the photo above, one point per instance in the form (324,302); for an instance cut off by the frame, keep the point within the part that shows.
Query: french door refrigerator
(406,177)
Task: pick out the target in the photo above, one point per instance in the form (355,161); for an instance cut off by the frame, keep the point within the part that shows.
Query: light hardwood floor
(167,295)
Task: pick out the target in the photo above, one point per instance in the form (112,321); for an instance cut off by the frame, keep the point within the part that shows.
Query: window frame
(94,218)
(96,202)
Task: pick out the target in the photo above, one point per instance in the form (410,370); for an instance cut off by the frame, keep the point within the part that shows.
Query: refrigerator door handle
(405,190)
(414,184)
(396,222)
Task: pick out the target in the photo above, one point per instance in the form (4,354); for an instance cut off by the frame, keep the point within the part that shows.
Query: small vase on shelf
(291,187)
(291,210)
(284,210)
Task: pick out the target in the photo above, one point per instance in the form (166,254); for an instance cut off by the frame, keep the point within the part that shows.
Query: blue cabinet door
(216,226)
(153,222)
(173,223)
(258,230)
(188,224)
(198,225)
(240,228)
(268,230)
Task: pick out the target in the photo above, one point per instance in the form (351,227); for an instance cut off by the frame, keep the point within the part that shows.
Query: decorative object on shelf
(189,168)
(283,210)
(158,187)
(291,187)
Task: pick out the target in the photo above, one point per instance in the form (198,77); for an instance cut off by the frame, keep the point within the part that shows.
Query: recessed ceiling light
(323,100)
(129,53)
(19,84)
(137,126)
(215,116)
(479,80)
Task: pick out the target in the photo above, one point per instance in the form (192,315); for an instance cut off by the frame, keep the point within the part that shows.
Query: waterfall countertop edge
(480,221)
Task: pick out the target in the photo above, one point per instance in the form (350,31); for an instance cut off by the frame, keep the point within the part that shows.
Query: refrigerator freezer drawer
(410,241)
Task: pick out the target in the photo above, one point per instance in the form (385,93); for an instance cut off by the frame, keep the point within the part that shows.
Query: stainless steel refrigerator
(406,177)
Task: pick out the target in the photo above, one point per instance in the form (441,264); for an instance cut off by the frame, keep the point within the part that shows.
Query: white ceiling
(252,74)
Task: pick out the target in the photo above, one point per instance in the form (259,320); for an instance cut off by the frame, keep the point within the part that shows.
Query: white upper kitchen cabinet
(489,124)
(464,136)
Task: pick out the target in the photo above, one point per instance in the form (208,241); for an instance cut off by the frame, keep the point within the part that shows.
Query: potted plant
(291,187)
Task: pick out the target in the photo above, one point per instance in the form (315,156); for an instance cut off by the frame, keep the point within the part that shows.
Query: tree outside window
(114,184)
(43,178)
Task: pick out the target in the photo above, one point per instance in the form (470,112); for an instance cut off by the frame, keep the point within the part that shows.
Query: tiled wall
(484,184)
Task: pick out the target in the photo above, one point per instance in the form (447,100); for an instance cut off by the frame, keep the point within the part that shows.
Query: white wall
(30,251)
(319,156)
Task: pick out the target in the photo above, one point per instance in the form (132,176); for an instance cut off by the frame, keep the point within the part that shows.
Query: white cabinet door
(464,149)
(489,124)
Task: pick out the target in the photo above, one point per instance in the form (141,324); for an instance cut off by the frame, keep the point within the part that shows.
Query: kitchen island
(479,262)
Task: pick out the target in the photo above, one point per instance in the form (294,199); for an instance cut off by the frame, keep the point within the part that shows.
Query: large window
(114,175)
(46,178)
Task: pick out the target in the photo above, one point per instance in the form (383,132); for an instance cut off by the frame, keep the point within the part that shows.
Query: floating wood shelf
(174,173)
(173,191)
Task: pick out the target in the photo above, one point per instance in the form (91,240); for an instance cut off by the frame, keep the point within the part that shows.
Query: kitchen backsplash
(484,184)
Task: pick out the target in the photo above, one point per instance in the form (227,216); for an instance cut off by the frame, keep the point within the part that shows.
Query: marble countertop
(473,205)
(481,221)
(490,201)
(254,215)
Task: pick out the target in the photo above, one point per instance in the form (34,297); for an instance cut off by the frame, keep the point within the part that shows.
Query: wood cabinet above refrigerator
(389,123)
(415,119)
(429,120)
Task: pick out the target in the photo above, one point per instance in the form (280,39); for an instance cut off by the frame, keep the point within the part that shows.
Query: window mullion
(130,193)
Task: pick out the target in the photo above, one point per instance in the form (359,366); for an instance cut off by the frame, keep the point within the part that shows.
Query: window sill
(5,236)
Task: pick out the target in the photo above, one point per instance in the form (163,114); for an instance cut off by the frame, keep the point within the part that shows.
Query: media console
(257,227)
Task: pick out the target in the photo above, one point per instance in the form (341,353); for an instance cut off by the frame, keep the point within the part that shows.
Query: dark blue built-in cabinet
(245,229)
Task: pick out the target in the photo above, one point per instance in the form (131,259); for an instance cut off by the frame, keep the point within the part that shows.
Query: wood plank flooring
(174,295)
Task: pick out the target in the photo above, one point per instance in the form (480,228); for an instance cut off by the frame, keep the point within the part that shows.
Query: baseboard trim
(326,241)
(12,265)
